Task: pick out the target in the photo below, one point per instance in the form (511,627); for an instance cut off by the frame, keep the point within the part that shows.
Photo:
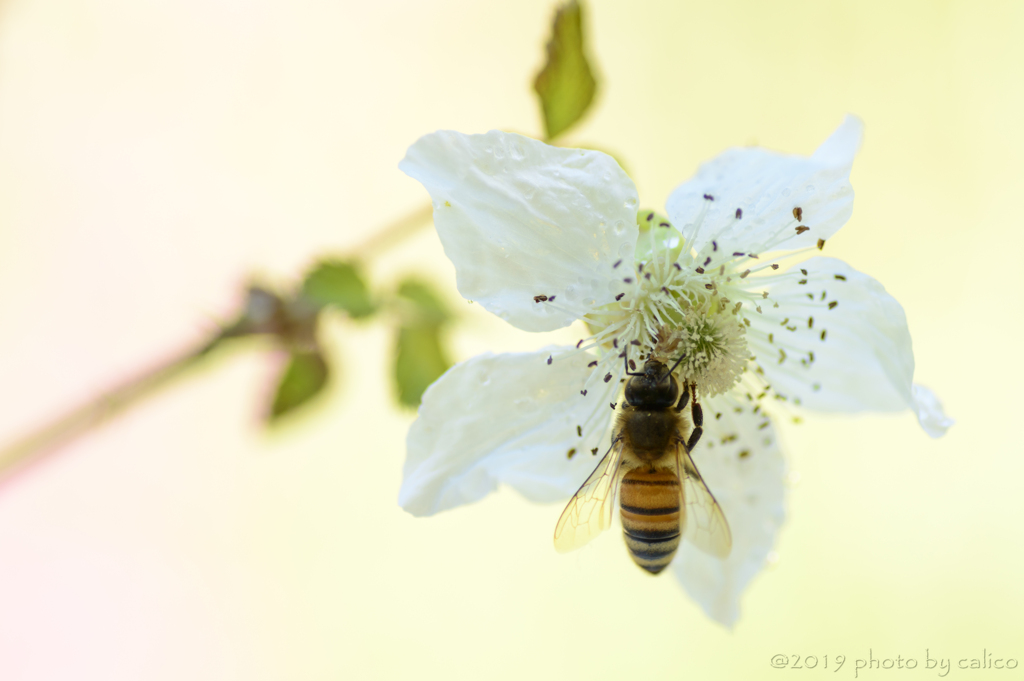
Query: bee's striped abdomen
(651,516)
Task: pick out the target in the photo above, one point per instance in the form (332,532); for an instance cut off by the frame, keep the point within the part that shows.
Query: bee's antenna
(625,355)
(678,362)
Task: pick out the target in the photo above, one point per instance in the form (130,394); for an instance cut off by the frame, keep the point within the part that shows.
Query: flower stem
(383,239)
(98,410)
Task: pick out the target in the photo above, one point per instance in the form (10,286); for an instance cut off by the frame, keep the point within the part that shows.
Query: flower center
(672,309)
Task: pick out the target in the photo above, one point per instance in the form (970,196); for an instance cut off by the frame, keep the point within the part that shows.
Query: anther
(635,342)
(607,378)
(833,304)
(707,261)
(592,364)
(628,280)
(821,244)
(650,216)
(739,213)
(615,343)
(619,297)
(663,224)
(551,299)
(549,359)
(798,213)
(801,229)
(632,365)
(617,263)
(583,392)
(810,322)
(699,270)
(539,299)
(571,453)
(841,277)
(774,266)
(714,245)
(803,272)
(594,451)
(708,197)
(677,266)
(744,275)
(802,281)
(738,255)
(612,405)
(579,344)
(579,431)
(823,334)
(708,286)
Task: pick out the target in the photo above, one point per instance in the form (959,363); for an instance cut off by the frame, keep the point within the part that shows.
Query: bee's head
(653,388)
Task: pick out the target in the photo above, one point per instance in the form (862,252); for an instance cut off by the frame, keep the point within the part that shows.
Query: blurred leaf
(339,284)
(566,84)
(420,360)
(420,356)
(426,307)
(304,377)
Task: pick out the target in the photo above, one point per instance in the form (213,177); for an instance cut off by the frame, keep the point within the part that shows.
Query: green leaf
(420,355)
(420,360)
(565,85)
(339,284)
(426,307)
(304,377)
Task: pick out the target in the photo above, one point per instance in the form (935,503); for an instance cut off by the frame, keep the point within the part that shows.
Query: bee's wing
(590,510)
(705,527)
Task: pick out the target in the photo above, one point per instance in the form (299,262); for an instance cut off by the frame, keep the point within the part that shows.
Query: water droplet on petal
(619,227)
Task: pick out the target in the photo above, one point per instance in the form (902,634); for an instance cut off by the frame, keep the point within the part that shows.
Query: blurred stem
(101,409)
(97,411)
(389,235)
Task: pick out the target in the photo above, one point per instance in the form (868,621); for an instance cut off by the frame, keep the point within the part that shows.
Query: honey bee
(663,497)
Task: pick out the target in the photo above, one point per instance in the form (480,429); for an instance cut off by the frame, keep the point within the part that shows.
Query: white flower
(543,236)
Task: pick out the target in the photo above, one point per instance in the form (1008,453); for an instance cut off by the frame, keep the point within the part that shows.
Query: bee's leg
(684,398)
(698,421)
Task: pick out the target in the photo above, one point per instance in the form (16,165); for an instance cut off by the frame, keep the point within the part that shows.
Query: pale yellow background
(155,154)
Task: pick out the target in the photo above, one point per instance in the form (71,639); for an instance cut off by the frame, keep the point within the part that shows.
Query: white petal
(929,412)
(766,187)
(750,491)
(864,362)
(506,418)
(519,219)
